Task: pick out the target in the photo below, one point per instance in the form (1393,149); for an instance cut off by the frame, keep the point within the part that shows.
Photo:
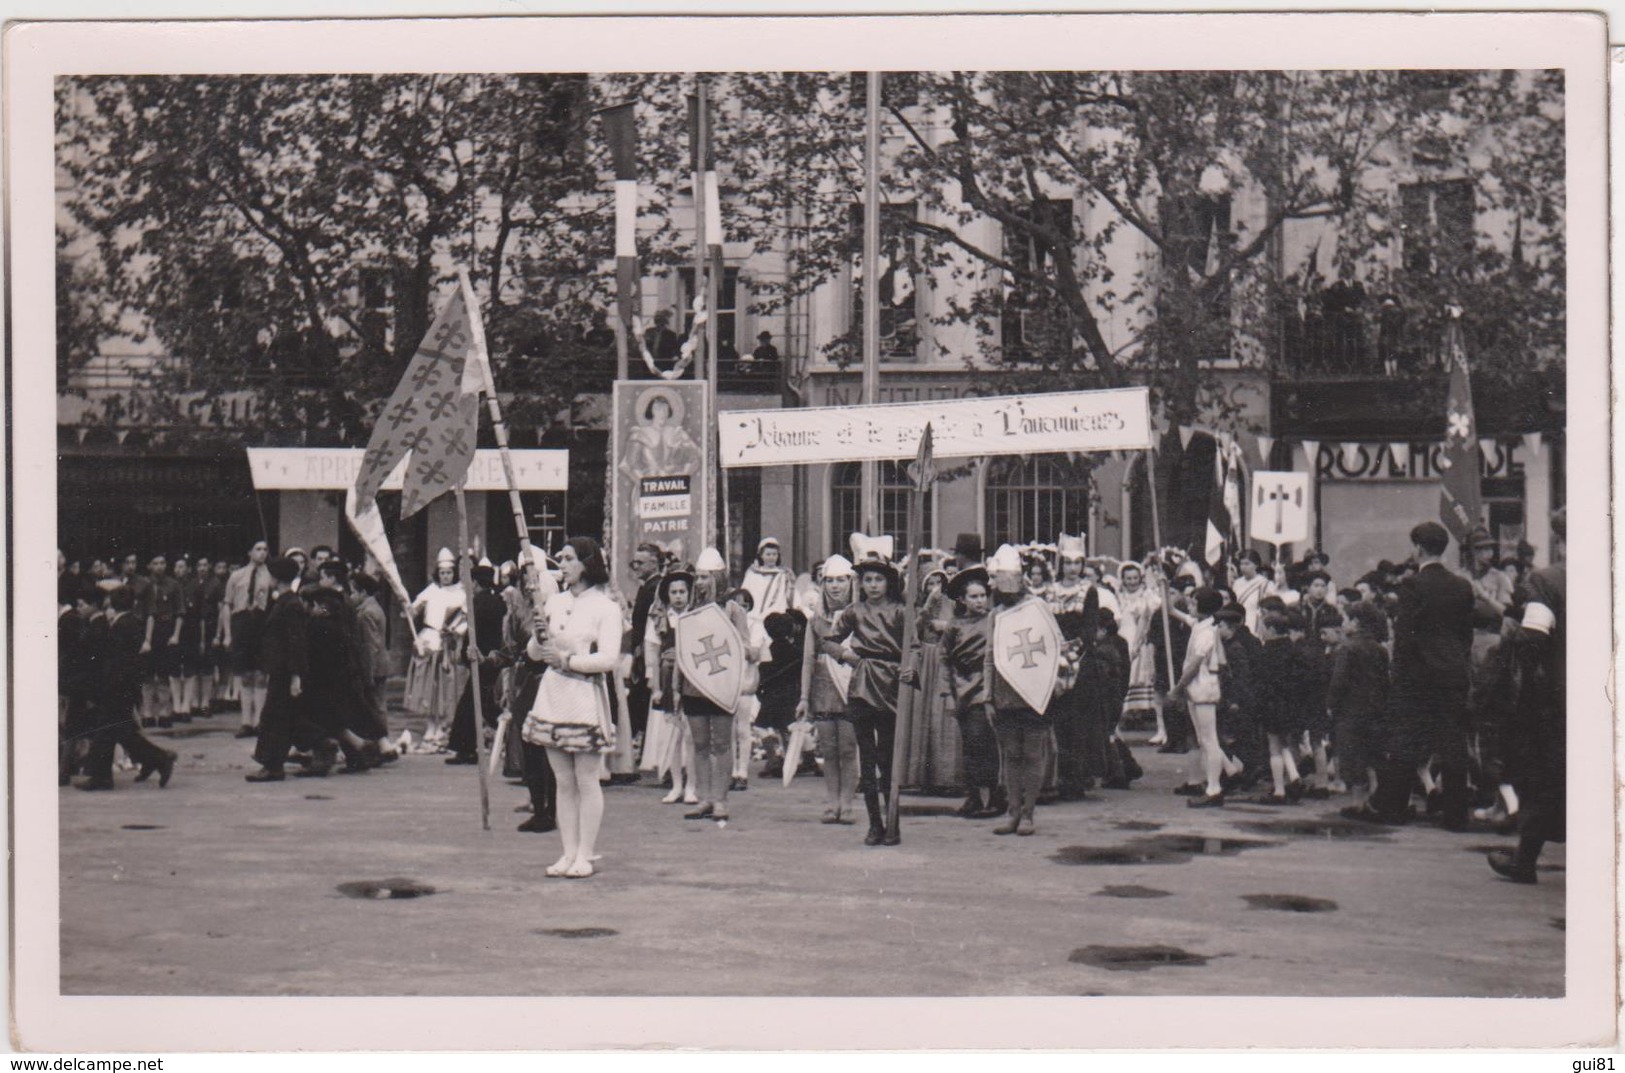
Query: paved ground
(214,886)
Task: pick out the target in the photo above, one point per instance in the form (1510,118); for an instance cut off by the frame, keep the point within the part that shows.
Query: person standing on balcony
(765,351)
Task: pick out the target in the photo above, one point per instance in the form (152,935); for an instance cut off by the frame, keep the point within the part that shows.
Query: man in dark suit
(1433,641)
(123,670)
(489,611)
(285,659)
(645,562)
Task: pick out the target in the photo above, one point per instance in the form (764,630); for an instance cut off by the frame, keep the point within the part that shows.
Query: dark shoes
(265,775)
(1191,789)
(876,835)
(1206,801)
(889,839)
(1507,865)
(738,785)
(246,732)
(96,784)
(538,825)
(164,766)
(972,805)
(462,758)
(704,812)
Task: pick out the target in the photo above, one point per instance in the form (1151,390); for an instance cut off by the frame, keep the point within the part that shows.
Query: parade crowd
(1416,682)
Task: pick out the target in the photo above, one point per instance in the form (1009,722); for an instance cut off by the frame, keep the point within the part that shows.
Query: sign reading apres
(1115,420)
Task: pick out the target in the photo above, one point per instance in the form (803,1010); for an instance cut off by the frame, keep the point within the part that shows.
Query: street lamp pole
(871,290)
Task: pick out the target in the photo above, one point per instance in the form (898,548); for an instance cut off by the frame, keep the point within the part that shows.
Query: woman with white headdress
(1138,603)
(824,682)
(435,679)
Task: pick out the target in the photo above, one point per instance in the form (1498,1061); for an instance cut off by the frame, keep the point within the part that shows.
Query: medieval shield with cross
(1027,651)
(1280,507)
(711,655)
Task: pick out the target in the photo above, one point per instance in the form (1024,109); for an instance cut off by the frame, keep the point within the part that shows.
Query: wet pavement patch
(1137,825)
(1131,891)
(578,933)
(1135,958)
(317,797)
(1334,829)
(142,827)
(1289,903)
(1157,849)
(385,889)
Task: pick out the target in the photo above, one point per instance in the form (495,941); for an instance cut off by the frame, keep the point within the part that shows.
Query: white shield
(1027,651)
(711,654)
(1280,513)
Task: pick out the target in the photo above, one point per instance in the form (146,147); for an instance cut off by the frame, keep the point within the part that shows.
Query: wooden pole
(465,569)
(907,695)
(1167,582)
(500,428)
(870,487)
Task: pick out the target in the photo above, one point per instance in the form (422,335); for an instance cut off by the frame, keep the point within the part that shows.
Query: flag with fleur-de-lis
(1460,498)
(433,416)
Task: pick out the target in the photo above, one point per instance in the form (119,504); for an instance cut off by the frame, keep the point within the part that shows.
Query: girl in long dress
(1138,604)
(571,717)
(934,748)
(434,681)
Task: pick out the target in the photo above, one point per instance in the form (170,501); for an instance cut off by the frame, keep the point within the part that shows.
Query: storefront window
(1035,498)
(846,504)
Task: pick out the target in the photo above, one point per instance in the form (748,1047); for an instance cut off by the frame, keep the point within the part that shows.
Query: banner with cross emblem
(433,415)
(1027,651)
(711,655)
(1280,507)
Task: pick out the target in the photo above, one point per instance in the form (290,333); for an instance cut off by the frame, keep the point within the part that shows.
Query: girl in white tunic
(571,717)
(434,681)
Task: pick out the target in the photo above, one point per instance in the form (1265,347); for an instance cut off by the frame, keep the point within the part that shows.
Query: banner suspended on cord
(1460,502)
(432,416)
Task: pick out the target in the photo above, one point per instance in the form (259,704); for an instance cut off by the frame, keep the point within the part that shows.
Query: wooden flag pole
(465,569)
(906,695)
(1167,582)
(500,428)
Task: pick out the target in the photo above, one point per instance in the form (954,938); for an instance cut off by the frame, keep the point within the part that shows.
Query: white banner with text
(1115,420)
(335,468)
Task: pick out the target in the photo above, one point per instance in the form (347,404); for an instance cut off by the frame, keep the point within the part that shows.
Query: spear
(923,473)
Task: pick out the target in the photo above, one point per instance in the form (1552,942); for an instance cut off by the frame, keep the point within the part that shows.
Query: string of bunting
(1257,448)
(685,354)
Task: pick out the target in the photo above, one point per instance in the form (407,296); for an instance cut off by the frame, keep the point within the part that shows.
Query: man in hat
(765,350)
(1433,637)
(122,674)
(285,656)
(967,553)
(1491,584)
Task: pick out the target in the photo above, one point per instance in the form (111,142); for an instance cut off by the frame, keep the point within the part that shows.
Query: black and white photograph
(1067,513)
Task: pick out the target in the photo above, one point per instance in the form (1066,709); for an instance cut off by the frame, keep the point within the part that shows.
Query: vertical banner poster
(662,464)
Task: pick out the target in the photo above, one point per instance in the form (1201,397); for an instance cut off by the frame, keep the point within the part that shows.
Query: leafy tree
(1206,169)
(293,233)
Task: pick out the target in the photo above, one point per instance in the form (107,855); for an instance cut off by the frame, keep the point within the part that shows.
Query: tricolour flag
(621,130)
(1224,503)
(1460,502)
